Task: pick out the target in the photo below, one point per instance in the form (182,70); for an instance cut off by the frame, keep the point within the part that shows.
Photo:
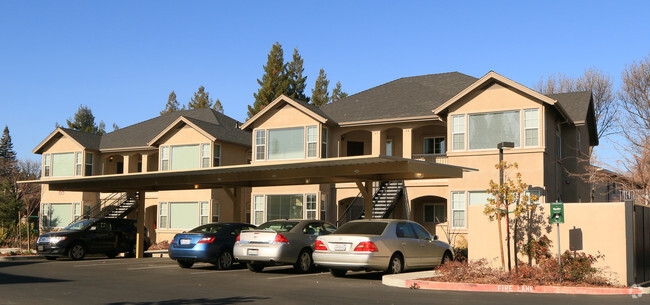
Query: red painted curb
(519,288)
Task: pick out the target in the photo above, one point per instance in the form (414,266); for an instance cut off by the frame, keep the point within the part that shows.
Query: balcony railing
(440,159)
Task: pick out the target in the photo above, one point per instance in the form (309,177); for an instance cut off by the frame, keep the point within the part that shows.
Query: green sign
(557,212)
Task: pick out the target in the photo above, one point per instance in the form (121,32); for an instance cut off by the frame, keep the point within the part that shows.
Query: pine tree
(319,95)
(172,104)
(217,106)
(296,82)
(84,120)
(201,99)
(7,156)
(337,93)
(273,83)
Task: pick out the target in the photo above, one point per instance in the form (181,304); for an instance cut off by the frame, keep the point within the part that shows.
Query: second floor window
(312,142)
(288,143)
(217,156)
(89,164)
(434,146)
(531,127)
(61,164)
(180,157)
(486,130)
(458,132)
(260,144)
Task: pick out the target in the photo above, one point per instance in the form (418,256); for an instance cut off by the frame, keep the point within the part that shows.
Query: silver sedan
(390,245)
(280,242)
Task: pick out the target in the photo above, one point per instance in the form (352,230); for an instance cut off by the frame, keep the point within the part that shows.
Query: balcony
(440,159)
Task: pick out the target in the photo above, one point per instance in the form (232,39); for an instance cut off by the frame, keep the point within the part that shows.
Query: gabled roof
(180,122)
(492,77)
(210,122)
(304,107)
(580,107)
(402,98)
(84,139)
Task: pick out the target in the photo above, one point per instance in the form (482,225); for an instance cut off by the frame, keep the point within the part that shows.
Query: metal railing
(352,209)
(440,159)
(112,200)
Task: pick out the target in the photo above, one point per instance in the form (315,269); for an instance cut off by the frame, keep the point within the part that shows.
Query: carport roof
(332,170)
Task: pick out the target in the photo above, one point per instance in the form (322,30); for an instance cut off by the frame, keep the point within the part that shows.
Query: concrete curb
(19,257)
(413,281)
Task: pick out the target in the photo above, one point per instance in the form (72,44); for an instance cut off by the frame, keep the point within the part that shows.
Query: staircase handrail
(348,210)
(97,209)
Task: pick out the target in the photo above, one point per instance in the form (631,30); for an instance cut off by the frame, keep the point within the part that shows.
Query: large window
(260,145)
(434,146)
(435,213)
(284,144)
(458,132)
(183,215)
(63,165)
(184,157)
(531,127)
(284,207)
(486,130)
(478,197)
(458,210)
(60,214)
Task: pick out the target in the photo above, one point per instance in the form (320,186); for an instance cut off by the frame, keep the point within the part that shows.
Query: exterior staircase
(116,205)
(120,210)
(386,197)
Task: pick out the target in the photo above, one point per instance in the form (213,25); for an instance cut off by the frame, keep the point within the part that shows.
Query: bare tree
(601,86)
(30,193)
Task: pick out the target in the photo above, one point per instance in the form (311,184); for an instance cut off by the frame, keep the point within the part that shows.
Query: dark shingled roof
(404,97)
(214,123)
(576,104)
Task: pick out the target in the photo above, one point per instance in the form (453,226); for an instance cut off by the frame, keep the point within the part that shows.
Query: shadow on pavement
(20,279)
(202,301)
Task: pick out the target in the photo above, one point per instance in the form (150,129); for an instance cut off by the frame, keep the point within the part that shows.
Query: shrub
(537,249)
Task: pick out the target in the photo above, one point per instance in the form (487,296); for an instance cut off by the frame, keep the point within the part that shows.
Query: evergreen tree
(115,127)
(201,99)
(84,120)
(7,156)
(217,106)
(337,93)
(273,83)
(172,104)
(296,82)
(319,95)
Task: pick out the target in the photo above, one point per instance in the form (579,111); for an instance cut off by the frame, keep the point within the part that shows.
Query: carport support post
(365,188)
(237,206)
(139,201)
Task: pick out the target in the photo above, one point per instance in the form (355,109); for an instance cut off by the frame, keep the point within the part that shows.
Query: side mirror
(435,237)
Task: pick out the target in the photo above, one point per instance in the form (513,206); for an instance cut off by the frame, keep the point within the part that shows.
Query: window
(389,147)
(536,193)
(205,155)
(204,210)
(323,206)
(311,210)
(458,210)
(217,155)
(76,210)
(183,215)
(434,146)
(216,211)
(46,165)
(164,158)
(45,215)
(258,209)
(312,142)
(284,207)
(531,127)
(89,164)
(77,163)
(184,157)
(458,132)
(162,215)
(323,149)
(63,165)
(435,213)
(478,197)
(260,145)
(285,144)
(486,130)
(60,214)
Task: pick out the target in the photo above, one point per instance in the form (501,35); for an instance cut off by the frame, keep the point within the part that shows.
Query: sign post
(557,217)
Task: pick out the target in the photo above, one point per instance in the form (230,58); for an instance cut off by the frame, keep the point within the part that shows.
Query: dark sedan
(210,243)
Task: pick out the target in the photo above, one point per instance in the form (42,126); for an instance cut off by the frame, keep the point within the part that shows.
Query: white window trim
(454,132)
(524,128)
(207,214)
(78,163)
(205,155)
(165,158)
(451,214)
(314,210)
(314,128)
(47,166)
(263,210)
(163,213)
(262,145)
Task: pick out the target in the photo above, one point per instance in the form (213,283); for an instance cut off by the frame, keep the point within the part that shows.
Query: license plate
(253,252)
(40,248)
(339,247)
(185,241)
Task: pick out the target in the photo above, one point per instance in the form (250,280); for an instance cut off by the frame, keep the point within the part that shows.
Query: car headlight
(56,239)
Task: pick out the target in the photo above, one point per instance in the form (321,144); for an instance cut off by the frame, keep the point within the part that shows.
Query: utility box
(557,212)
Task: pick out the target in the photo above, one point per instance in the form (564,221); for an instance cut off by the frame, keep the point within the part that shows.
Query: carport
(362,170)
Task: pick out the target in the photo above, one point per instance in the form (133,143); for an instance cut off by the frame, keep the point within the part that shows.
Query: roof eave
(288,100)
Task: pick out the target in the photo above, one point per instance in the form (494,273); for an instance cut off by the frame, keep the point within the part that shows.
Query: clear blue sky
(123,58)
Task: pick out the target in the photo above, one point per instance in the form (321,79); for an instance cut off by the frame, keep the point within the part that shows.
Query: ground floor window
(59,215)
(284,207)
(186,215)
(435,212)
(458,210)
(289,206)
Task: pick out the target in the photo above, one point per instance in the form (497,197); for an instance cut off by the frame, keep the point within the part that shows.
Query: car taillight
(279,238)
(320,246)
(238,237)
(206,240)
(366,246)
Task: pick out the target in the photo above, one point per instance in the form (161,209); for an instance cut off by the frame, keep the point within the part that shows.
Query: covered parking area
(362,170)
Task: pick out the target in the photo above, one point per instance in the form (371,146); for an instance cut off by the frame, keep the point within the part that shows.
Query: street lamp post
(501,146)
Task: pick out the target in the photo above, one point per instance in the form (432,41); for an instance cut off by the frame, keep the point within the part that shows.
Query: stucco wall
(606,229)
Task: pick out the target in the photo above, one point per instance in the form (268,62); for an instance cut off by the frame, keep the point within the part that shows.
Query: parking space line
(107,264)
(220,271)
(297,275)
(163,266)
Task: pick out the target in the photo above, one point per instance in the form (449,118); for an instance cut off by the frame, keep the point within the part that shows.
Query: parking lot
(160,281)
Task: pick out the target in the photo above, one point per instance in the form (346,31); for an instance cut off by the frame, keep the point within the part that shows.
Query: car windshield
(362,228)
(278,226)
(78,226)
(210,228)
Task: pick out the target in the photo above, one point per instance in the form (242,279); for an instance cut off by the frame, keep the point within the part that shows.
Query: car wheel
(50,258)
(396,264)
(111,254)
(304,263)
(338,272)
(255,267)
(185,263)
(225,260)
(446,258)
(77,251)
